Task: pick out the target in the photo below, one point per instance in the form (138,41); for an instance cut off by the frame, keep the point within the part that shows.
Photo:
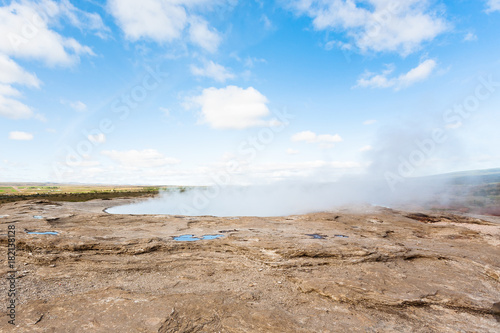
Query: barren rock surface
(364,269)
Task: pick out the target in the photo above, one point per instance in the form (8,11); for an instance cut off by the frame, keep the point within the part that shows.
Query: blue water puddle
(186,238)
(191,238)
(43,233)
(212,236)
(38,217)
(341,236)
(316,236)
(3,216)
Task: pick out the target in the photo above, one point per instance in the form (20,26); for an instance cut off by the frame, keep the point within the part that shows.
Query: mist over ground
(401,152)
(284,198)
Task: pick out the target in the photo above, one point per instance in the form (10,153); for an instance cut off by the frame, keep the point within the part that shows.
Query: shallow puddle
(186,238)
(316,236)
(191,238)
(38,217)
(43,233)
(212,236)
(341,236)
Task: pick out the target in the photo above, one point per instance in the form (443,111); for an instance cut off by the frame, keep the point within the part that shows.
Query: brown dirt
(395,272)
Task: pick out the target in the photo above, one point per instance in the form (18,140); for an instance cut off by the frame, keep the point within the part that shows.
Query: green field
(62,192)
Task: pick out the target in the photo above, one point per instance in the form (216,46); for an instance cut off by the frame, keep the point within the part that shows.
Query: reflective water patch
(186,238)
(38,217)
(43,233)
(212,236)
(316,236)
(191,238)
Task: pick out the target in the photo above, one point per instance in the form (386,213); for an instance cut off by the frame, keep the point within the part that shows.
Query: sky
(197,92)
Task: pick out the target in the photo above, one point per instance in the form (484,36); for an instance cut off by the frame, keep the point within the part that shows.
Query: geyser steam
(278,199)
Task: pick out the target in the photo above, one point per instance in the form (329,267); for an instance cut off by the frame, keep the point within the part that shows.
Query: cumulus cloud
(204,36)
(377,25)
(311,137)
(13,109)
(419,73)
(164,21)
(493,5)
(151,19)
(25,33)
(148,158)
(20,136)
(233,107)
(212,70)
(12,73)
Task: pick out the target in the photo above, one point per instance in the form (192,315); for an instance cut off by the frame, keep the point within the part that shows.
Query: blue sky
(202,91)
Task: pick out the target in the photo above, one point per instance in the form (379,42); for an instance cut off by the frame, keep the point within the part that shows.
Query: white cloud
(377,25)
(369,122)
(98,138)
(311,137)
(25,32)
(268,25)
(269,172)
(204,36)
(233,107)
(419,73)
(470,37)
(164,21)
(21,136)
(77,105)
(151,19)
(341,45)
(212,70)
(13,109)
(8,90)
(252,61)
(366,148)
(10,73)
(291,151)
(148,158)
(493,5)
(83,20)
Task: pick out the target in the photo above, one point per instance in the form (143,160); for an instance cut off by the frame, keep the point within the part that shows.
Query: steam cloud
(280,199)
(403,151)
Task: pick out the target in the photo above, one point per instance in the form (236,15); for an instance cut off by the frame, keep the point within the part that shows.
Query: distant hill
(472,177)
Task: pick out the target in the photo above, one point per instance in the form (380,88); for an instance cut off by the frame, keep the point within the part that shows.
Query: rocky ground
(364,269)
